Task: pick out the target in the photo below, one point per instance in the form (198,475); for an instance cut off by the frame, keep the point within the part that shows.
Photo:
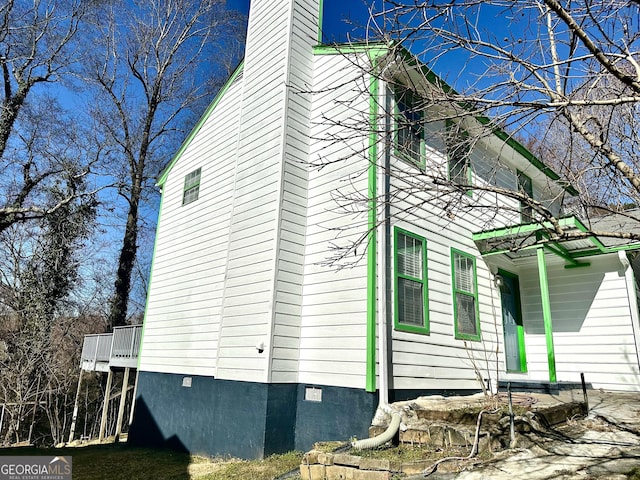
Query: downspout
(383,284)
(372,257)
(633,299)
(378,268)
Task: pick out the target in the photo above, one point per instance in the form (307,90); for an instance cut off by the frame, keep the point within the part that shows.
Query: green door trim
(520,327)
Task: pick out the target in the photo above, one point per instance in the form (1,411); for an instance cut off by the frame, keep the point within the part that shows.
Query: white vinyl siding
(182,322)
(262,293)
(592,329)
(293,200)
(242,256)
(429,362)
(334,310)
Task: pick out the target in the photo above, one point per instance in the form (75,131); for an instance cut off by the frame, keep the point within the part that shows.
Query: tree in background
(37,48)
(40,267)
(562,77)
(153,65)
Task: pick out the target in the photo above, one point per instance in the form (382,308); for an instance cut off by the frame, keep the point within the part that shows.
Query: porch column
(546,313)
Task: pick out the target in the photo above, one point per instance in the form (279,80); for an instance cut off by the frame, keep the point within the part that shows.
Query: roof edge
(486,121)
(162,177)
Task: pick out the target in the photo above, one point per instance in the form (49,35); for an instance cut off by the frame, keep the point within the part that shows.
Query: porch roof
(578,241)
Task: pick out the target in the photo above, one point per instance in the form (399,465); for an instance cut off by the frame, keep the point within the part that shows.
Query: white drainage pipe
(381,439)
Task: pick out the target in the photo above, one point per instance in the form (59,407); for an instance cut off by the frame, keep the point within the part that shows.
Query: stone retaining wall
(339,466)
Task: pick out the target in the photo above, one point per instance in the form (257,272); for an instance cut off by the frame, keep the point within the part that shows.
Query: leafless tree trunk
(149,74)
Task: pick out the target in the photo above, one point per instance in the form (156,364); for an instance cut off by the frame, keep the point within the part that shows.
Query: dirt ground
(605,445)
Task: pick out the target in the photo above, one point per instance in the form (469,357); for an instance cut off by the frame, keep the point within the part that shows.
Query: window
(191,187)
(409,127)
(525,186)
(410,282)
(458,151)
(465,296)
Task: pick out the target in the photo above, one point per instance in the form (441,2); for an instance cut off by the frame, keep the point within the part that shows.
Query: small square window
(191,187)
(465,296)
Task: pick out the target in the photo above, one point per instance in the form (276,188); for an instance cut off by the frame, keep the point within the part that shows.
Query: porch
(111,353)
(104,351)
(568,306)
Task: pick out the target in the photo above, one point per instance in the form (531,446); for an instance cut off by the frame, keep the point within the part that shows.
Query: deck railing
(117,349)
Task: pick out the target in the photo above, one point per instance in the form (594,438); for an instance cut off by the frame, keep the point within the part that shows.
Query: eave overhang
(574,246)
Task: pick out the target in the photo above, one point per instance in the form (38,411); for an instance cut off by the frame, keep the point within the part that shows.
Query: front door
(514,351)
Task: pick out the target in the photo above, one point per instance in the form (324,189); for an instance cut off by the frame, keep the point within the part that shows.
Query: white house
(254,342)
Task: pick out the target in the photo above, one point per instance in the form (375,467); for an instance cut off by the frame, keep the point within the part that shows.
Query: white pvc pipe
(381,439)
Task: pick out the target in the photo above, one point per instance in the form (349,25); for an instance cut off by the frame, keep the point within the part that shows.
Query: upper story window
(465,295)
(191,187)
(410,282)
(410,126)
(458,154)
(525,185)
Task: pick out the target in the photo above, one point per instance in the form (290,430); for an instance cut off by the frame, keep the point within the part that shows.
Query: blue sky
(340,16)
(345,20)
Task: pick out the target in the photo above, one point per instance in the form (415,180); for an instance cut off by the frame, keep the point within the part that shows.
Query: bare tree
(39,270)
(566,74)
(154,63)
(37,47)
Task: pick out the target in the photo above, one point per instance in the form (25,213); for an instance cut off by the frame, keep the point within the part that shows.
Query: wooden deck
(104,351)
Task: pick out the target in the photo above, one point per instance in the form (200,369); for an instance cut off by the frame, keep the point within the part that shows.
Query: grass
(409,453)
(634,474)
(124,462)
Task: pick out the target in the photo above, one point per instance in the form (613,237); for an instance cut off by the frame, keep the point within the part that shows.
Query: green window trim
(458,156)
(525,185)
(410,282)
(463,295)
(191,190)
(409,128)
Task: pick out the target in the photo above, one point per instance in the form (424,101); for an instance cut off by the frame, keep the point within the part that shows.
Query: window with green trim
(191,187)
(525,185)
(465,295)
(410,126)
(458,154)
(410,282)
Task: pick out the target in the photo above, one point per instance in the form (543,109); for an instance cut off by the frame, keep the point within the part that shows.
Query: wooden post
(133,397)
(512,430)
(2,417)
(105,406)
(33,416)
(75,408)
(123,399)
(584,393)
